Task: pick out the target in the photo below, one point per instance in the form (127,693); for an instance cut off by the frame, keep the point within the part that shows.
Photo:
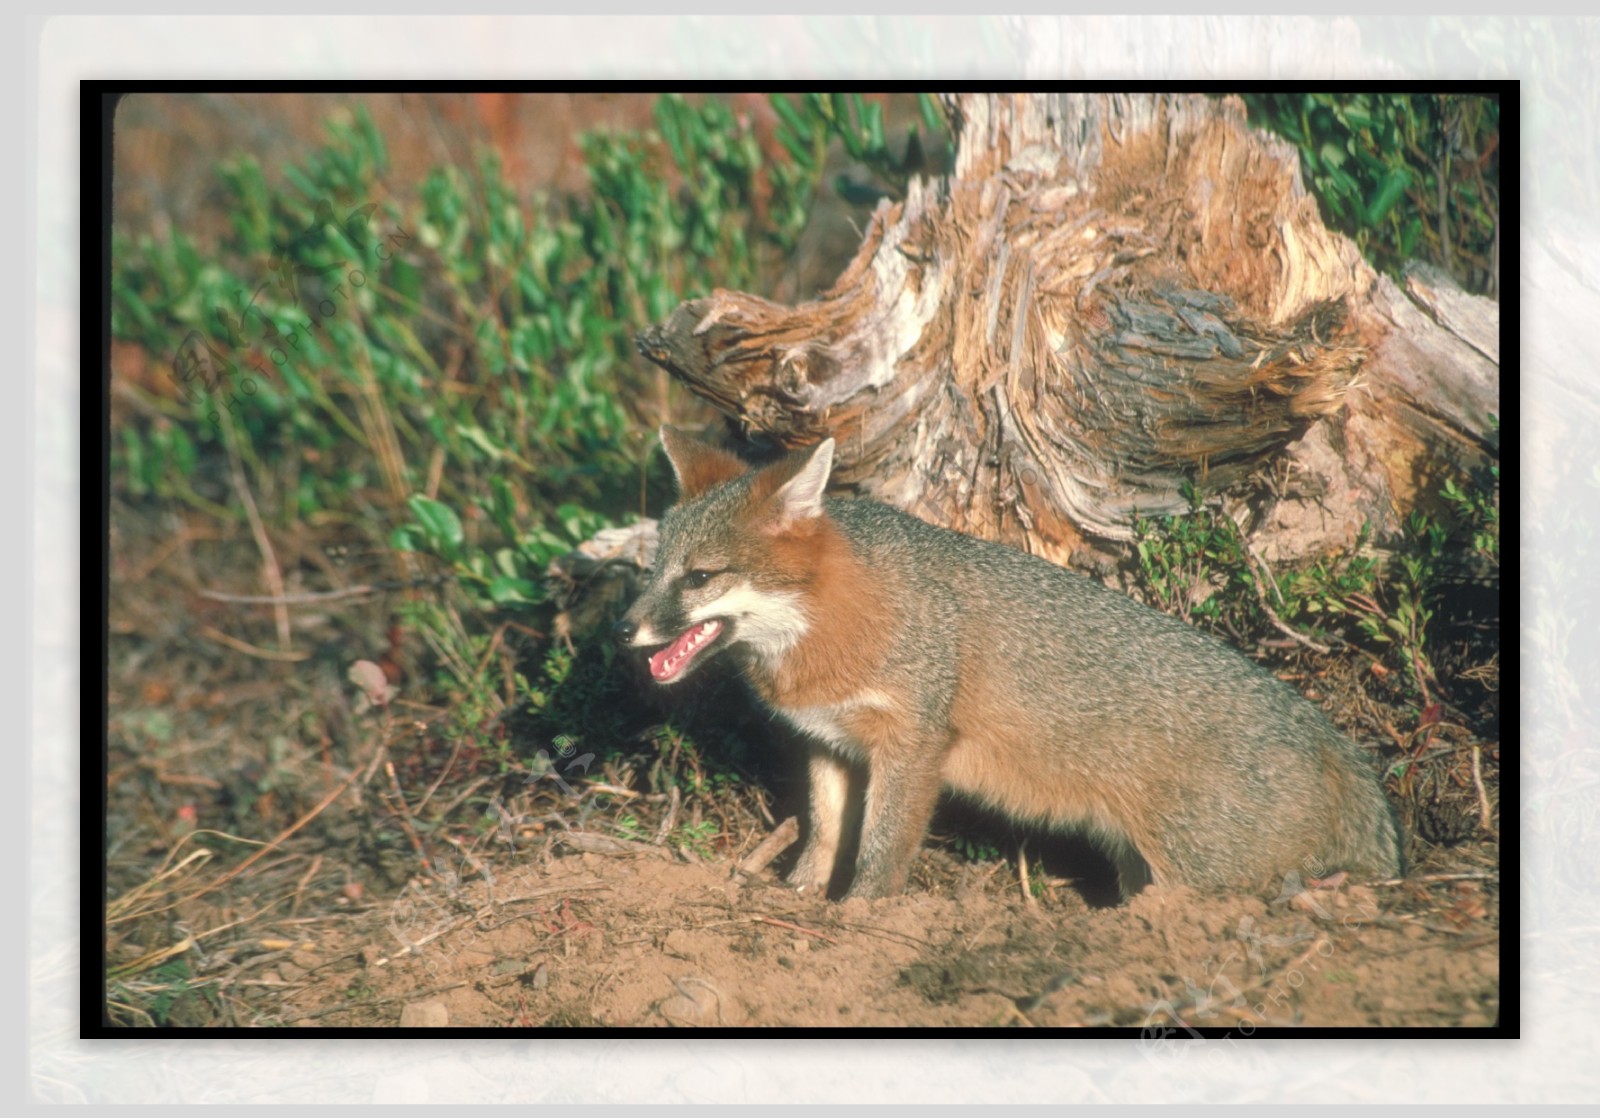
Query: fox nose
(624,630)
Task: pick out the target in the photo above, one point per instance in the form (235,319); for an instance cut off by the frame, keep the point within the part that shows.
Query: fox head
(736,555)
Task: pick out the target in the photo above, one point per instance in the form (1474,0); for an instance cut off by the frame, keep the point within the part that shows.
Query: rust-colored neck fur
(850,623)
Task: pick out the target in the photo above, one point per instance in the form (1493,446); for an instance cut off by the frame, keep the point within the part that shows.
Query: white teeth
(692,641)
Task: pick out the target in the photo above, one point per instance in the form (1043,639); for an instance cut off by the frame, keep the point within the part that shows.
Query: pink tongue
(667,663)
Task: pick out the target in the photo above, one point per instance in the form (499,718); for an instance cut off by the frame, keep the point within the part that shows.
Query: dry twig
(250,650)
(769,848)
(765,920)
(258,529)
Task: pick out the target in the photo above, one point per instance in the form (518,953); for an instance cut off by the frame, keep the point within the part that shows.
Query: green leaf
(799,148)
(506,590)
(183,453)
(1390,191)
(480,439)
(669,118)
(503,506)
(1357,114)
(789,115)
(1345,183)
(875,127)
(1410,236)
(440,523)
(839,114)
(491,346)
(405,539)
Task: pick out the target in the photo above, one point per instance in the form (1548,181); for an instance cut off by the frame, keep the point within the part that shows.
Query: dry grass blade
(250,650)
(151,959)
(278,839)
(765,920)
(269,557)
(130,905)
(596,844)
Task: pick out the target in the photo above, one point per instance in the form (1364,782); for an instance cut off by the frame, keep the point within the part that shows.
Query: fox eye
(697,578)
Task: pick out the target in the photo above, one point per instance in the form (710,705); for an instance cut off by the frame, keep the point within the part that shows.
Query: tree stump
(1112,298)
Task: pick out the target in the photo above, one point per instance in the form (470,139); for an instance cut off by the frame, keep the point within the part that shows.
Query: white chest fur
(826,722)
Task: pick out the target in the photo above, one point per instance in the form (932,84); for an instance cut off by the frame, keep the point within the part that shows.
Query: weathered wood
(1111,298)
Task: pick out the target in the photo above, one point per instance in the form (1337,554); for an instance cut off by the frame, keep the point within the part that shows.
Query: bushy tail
(1365,837)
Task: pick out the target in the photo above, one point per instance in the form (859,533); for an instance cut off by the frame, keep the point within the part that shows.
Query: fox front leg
(829,787)
(902,789)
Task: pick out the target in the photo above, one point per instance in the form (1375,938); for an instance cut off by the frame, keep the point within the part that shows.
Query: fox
(935,660)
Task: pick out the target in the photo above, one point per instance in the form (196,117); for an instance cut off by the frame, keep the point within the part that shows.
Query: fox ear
(799,498)
(697,466)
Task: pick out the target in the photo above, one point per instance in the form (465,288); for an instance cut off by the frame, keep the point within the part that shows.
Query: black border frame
(97,111)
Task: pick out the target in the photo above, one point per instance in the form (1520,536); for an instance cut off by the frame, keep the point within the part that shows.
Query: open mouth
(668,664)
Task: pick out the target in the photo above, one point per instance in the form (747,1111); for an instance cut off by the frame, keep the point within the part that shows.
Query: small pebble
(424,1015)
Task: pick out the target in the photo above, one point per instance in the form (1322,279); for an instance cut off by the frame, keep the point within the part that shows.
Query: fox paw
(807,877)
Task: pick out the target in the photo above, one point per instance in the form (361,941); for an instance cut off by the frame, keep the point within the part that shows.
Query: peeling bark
(1111,297)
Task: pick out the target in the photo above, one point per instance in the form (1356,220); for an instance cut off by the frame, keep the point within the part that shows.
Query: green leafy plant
(450,375)
(1404,174)
(154,996)
(1406,623)
(808,123)
(682,761)
(975,850)
(1476,501)
(629,827)
(1195,566)
(699,839)
(1327,591)
(1429,563)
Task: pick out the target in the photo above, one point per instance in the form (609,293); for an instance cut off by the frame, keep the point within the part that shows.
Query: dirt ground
(592,940)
